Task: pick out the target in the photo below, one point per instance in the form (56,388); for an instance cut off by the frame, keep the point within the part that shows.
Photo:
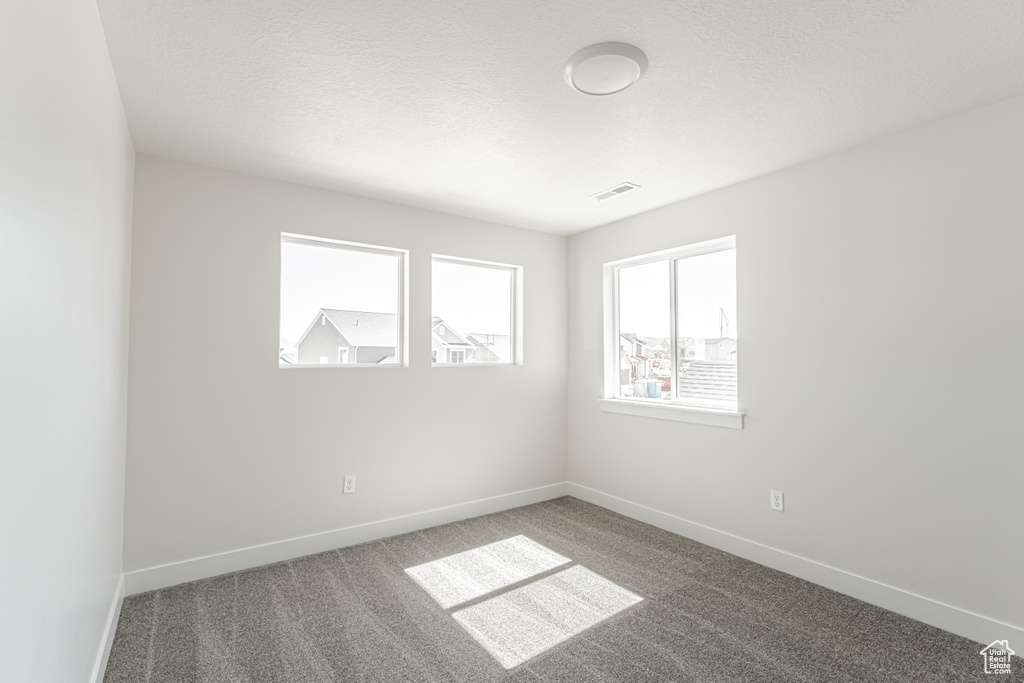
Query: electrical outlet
(350,484)
(776,501)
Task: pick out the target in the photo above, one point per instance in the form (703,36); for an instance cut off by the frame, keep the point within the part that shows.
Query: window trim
(676,412)
(402,352)
(610,401)
(516,308)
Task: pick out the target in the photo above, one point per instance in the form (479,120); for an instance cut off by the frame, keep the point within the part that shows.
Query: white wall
(66,162)
(226,451)
(866,281)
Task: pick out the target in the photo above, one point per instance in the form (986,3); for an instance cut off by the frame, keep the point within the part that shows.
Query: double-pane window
(676,330)
(343,304)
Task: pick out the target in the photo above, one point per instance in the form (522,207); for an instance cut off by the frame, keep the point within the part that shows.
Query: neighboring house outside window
(350,337)
(477,312)
(445,342)
(342,303)
(674,335)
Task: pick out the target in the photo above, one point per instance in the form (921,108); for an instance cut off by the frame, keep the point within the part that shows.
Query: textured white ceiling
(460,106)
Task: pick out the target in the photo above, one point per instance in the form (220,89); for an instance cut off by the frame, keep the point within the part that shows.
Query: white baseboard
(163,576)
(964,623)
(941,615)
(100,667)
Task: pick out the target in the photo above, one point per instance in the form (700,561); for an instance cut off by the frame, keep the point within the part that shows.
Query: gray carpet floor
(355,614)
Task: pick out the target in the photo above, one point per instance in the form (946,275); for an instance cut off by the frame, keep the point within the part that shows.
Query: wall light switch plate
(350,484)
(776,501)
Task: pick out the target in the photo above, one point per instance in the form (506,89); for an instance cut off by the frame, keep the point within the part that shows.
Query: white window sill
(701,416)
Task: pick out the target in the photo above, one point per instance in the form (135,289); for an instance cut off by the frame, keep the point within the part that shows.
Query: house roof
(497,345)
(655,341)
(450,336)
(484,353)
(707,381)
(363,328)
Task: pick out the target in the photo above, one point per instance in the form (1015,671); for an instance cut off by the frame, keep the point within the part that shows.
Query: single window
(475,307)
(675,334)
(341,303)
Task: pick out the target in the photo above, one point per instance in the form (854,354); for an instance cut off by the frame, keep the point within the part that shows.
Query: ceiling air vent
(621,188)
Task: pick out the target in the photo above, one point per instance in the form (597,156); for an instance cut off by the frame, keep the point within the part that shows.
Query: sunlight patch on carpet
(457,578)
(525,622)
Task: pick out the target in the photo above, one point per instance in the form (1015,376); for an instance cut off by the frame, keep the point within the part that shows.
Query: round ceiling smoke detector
(605,68)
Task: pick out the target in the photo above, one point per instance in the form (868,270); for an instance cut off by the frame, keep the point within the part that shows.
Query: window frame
(673,409)
(515,309)
(402,351)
